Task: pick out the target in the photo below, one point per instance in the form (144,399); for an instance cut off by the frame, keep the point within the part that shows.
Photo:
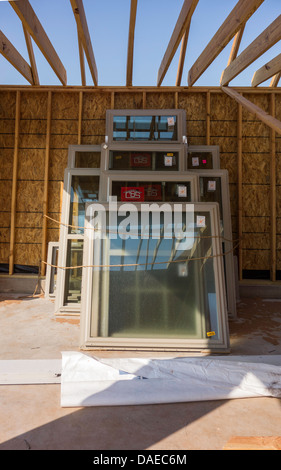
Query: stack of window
(151,292)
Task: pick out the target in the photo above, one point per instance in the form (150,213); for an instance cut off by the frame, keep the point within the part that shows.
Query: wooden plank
(46,185)
(130,53)
(253,443)
(270,36)
(240,190)
(182,55)
(236,44)
(208,117)
(80,117)
(82,61)
(242,11)
(32,24)
(31,56)
(14,185)
(270,121)
(275,80)
(15,58)
(179,30)
(273,67)
(84,35)
(273,214)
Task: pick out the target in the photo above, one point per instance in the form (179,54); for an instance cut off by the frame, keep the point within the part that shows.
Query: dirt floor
(32,418)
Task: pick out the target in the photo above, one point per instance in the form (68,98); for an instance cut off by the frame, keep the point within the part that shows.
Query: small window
(146,125)
(204,157)
(138,160)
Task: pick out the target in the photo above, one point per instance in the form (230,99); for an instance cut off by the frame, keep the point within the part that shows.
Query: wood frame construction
(88,341)
(249,150)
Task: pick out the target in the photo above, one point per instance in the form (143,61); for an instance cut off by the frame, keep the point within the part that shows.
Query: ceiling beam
(275,80)
(131,38)
(270,36)
(15,58)
(84,35)
(236,44)
(32,24)
(242,11)
(31,56)
(179,30)
(270,121)
(182,55)
(267,71)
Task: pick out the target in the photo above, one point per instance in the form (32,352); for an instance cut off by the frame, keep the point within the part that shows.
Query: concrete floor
(32,418)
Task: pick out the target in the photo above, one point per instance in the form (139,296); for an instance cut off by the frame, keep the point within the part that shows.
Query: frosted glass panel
(154,288)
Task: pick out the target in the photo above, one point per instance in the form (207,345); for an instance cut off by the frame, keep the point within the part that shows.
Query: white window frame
(109,177)
(146,147)
(88,342)
(72,149)
(230,277)
(213,149)
(181,123)
(49,279)
(60,305)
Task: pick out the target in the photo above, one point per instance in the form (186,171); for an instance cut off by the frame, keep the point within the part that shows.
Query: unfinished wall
(38,125)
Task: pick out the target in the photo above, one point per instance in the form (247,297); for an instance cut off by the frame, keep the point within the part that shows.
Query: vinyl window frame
(89,342)
(60,305)
(181,123)
(213,149)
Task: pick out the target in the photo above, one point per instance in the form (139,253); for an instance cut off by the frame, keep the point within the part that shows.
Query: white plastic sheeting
(88,381)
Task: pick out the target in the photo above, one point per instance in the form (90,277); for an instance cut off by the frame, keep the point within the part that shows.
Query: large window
(155,291)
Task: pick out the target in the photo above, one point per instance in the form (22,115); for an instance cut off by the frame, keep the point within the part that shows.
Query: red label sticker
(153,192)
(132,194)
(141,159)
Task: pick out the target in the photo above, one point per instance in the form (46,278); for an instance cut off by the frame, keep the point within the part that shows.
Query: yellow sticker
(211,333)
(170,154)
(118,157)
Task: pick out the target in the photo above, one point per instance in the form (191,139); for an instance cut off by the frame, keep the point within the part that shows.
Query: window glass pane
(87,159)
(145,128)
(53,277)
(143,160)
(73,277)
(155,287)
(83,189)
(200,160)
(165,191)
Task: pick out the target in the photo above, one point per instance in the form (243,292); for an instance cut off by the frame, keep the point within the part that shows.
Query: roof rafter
(269,70)
(242,11)
(32,24)
(84,35)
(31,56)
(130,54)
(270,121)
(179,30)
(236,44)
(15,58)
(275,80)
(182,55)
(270,36)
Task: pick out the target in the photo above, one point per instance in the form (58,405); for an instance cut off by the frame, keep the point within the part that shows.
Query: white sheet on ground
(88,381)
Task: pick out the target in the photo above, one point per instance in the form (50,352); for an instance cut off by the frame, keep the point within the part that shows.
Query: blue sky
(108,22)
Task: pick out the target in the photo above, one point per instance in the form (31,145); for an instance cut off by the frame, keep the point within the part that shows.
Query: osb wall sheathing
(78,115)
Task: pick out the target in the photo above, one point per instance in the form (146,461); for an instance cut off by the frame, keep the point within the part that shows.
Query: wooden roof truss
(232,28)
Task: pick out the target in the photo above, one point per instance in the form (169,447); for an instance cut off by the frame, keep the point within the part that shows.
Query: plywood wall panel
(95,105)
(129,101)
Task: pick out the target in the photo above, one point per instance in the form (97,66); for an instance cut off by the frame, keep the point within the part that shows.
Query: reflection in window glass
(143,160)
(138,191)
(83,189)
(87,159)
(73,277)
(53,277)
(200,160)
(145,128)
(154,287)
